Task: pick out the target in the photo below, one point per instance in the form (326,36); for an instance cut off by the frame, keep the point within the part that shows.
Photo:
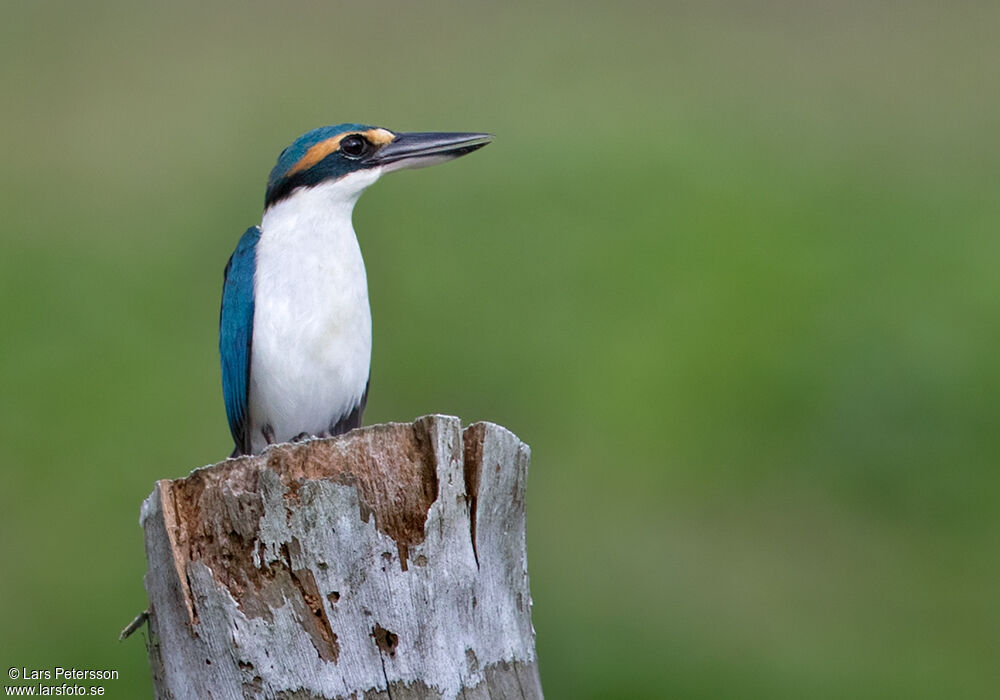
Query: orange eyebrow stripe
(317,153)
(321,150)
(379,137)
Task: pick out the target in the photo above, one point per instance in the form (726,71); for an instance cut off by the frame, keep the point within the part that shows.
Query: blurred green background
(730,268)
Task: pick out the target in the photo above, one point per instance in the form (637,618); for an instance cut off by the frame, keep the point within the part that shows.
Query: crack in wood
(318,627)
(472,438)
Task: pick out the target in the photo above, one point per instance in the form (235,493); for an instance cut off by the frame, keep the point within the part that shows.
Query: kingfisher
(295,329)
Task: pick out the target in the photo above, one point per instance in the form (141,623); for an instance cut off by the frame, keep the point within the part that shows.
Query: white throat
(311,351)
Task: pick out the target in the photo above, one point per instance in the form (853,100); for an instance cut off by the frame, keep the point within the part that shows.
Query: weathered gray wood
(386,563)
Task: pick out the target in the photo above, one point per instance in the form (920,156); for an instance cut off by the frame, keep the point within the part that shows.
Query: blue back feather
(236,336)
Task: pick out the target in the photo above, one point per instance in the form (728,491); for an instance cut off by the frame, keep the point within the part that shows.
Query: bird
(295,328)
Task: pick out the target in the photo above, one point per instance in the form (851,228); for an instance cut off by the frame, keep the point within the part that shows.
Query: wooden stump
(386,563)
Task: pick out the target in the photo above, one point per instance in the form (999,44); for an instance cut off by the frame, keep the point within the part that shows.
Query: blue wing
(236,336)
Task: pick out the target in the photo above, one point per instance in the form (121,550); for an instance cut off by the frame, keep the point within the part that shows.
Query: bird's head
(357,155)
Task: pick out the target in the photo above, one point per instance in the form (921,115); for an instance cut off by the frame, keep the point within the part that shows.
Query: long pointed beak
(418,149)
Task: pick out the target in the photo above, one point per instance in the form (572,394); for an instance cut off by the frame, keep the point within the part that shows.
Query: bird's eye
(353,146)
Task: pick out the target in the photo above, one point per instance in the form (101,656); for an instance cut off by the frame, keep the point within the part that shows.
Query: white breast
(311,351)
